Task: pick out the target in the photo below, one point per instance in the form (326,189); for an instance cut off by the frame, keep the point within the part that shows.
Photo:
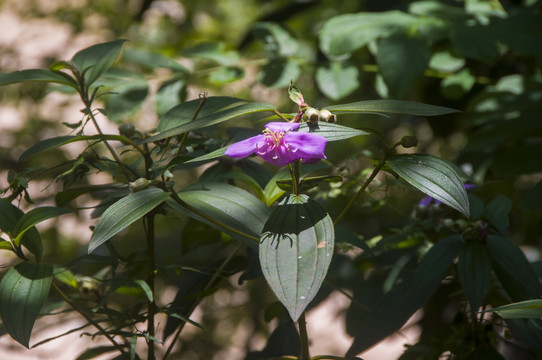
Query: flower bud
(327,116)
(139,184)
(127,130)
(409,141)
(312,115)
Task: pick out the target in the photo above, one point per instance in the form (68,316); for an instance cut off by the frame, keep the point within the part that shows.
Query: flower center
(272,143)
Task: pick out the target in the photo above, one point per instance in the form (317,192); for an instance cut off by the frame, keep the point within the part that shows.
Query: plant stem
(150,281)
(89,319)
(303,337)
(210,283)
(371,177)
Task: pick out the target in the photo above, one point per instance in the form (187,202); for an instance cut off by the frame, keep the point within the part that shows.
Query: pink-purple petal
(245,147)
(306,145)
(281,126)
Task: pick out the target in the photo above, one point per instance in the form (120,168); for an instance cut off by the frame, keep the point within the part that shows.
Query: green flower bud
(409,141)
(127,130)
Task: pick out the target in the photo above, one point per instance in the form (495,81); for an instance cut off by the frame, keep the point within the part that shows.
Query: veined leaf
(212,119)
(296,247)
(391,107)
(510,259)
(332,132)
(229,205)
(433,176)
(95,60)
(125,212)
(529,309)
(33,217)
(53,143)
(23,291)
(474,269)
(43,75)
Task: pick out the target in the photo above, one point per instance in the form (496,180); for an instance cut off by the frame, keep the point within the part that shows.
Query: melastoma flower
(281,144)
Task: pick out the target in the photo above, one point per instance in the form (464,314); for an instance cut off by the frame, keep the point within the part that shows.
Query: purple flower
(280,144)
(428,200)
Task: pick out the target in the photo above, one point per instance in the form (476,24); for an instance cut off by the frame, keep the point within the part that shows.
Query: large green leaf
(95,60)
(211,119)
(512,267)
(529,309)
(396,306)
(296,247)
(345,33)
(390,107)
(23,291)
(226,205)
(337,79)
(43,75)
(401,59)
(33,217)
(474,269)
(124,212)
(53,143)
(433,176)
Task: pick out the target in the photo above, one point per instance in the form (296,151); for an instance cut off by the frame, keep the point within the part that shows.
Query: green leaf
(185,111)
(337,79)
(345,33)
(296,247)
(474,269)
(397,306)
(9,216)
(53,143)
(434,177)
(43,75)
(332,132)
(209,156)
(212,119)
(308,183)
(276,39)
(475,42)
(390,107)
(23,291)
(295,94)
(124,212)
(146,289)
(279,73)
(228,205)
(511,262)
(33,217)
(401,59)
(529,309)
(95,60)
(497,211)
(169,95)
(152,59)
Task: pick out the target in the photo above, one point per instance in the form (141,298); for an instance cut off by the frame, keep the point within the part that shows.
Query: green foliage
(458,255)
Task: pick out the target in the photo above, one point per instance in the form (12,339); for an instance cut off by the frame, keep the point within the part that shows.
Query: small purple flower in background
(280,144)
(428,200)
